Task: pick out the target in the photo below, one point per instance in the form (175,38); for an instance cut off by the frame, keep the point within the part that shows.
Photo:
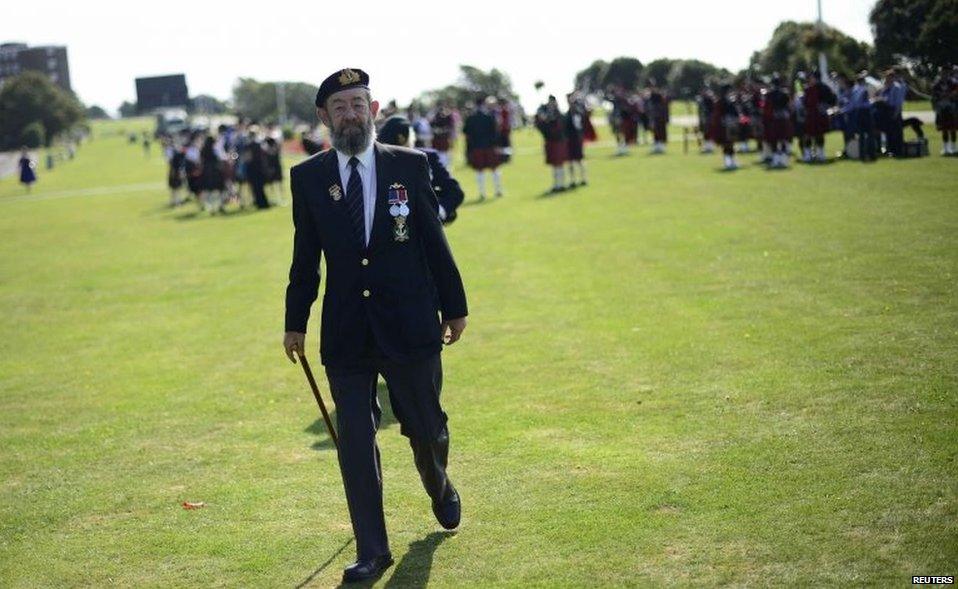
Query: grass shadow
(318,427)
(198,215)
(414,567)
(477,202)
(552,193)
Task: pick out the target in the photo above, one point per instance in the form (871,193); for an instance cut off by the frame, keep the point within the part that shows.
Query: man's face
(348,107)
(349,114)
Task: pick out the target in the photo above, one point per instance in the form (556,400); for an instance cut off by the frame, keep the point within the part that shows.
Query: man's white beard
(354,143)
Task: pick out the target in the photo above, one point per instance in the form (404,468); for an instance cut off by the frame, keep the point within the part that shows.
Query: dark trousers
(867,141)
(259,194)
(414,389)
(895,135)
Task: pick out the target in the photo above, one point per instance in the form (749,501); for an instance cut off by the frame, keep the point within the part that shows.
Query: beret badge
(348,77)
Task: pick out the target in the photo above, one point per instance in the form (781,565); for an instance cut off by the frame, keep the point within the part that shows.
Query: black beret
(344,79)
(393,128)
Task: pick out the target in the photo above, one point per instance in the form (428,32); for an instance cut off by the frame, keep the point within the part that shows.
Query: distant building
(161,92)
(48,59)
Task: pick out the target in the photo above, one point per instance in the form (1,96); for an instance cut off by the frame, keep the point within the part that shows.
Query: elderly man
(370,210)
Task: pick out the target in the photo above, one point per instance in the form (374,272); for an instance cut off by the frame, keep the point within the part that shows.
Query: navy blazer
(395,288)
(446,187)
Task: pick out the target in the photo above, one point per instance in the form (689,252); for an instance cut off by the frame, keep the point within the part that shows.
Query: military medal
(401,230)
(399,210)
(335,191)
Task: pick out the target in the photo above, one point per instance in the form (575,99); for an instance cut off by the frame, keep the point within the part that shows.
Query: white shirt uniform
(367,173)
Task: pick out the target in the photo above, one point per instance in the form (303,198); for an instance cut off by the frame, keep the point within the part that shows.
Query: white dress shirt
(367,173)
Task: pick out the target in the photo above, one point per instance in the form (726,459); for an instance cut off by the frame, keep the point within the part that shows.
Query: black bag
(917,148)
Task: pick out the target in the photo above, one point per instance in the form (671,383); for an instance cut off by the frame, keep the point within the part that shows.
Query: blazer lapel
(336,193)
(384,171)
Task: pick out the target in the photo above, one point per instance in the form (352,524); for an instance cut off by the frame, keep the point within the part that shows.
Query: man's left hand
(452,329)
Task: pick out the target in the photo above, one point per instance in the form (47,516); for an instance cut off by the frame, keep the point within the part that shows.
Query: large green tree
(31,98)
(258,100)
(624,72)
(96,112)
(658,71)
(795,46)
(920,33)
(687,76)
(127,109)
(204,103)
(473,83)
(591,79)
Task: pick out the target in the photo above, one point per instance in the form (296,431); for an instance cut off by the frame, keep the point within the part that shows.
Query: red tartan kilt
(440,142)
(778,129)
(557,152)
(630,130)
(816,124)
(483,158)
(715,132)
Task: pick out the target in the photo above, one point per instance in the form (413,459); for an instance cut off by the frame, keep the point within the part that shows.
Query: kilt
(946,116)
(175,179)
(816,123)
(211,177)
(728,130)
(778,129)
(440,142)
(575,150)
(557,152)
(629,128)
(659,132)
(483,158)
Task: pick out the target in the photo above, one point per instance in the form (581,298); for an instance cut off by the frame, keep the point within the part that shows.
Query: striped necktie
(354,201)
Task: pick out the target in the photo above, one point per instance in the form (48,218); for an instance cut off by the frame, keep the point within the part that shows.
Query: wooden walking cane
(319,399)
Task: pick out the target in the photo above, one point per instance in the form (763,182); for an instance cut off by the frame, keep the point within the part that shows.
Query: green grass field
(675,375)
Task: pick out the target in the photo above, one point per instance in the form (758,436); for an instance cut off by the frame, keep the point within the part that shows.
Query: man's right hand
(294,342)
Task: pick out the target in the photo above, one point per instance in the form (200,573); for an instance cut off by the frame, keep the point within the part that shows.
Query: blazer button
(365,262)
(365,294)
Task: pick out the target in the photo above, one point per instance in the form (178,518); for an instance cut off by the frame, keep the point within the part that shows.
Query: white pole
(281,102)
(822,60)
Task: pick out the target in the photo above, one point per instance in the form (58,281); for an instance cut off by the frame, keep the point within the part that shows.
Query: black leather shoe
(365,570)
(448,511)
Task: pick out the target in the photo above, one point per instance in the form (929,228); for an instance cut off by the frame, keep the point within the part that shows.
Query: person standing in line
(575,128)
(481,152)
(28,174)
(551,123)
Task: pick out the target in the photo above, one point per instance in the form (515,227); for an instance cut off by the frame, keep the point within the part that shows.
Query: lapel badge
(336,192)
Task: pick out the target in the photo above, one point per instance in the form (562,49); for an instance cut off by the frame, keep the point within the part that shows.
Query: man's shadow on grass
(196,215)
(318,427)
(413,569)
